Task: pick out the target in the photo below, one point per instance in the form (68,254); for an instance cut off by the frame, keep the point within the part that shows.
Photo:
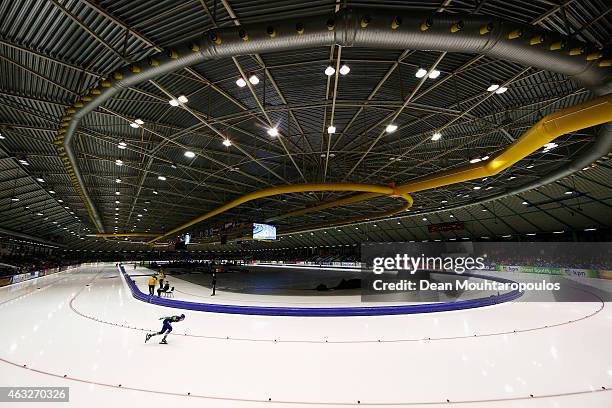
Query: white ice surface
(560,352)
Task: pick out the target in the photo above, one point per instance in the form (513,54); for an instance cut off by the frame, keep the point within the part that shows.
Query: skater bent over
(166,328)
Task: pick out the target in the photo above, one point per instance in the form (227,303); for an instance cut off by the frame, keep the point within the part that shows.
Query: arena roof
(53,52)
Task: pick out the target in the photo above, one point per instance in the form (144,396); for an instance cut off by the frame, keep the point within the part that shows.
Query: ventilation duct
(401,29)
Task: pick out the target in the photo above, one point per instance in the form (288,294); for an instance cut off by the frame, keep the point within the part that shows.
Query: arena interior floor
(84,330)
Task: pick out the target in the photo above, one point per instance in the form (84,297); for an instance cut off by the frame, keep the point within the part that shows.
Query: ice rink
(83,329)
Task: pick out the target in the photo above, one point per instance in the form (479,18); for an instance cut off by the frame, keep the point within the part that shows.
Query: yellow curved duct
(584,115)
(297,188)
(344,221)
(352,220)
(126,234)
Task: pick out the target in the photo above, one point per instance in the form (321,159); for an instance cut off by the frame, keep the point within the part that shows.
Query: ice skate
(149,335)
(163,341)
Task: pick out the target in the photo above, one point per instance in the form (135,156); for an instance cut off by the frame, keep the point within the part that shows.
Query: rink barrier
(327,311)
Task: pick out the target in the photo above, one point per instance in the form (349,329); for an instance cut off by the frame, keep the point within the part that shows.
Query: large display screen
(187,239)
(264,231)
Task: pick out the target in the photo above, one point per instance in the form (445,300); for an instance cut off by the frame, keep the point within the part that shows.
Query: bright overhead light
(329,71)
(493,87)
(2,136)
(591,229)
(241,82)
(24,162)
(421,73)
(344,69)
(122,145)
(475,160)
(181,99)
(118,180)
(189,154)
(331,129)
(550,146)
(139,215)
(485,158)
(117,193)
(15,199)
(60,201)
(273,131)
(436,136)
(52,191)
(501,90)
(227,142)
(253,79)
(155,192)
(569,192)
(40,180)
(477,187)
(134,125)
(558,232)
(140,121)
(525,203)
(391,128)
(173,102)
(434,74)
(40,214)
(162,178)
(119,162)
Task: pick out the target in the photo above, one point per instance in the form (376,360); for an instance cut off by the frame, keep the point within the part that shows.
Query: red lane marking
(601,307)
(219,398)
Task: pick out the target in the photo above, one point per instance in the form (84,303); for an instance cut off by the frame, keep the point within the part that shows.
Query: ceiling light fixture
(391,127)
(162,178)
(550,146)
(118,180)
(329,71)
(344,69)
(119,162)
(241,82)
(421,73)
(173,102)
(227,142)
(273,131)
(436,136)
(40,180)
(434,74)
(253,79)
(181,99)
(189,154)
(501,90)
(493,87)
(122,145)
(331,129)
